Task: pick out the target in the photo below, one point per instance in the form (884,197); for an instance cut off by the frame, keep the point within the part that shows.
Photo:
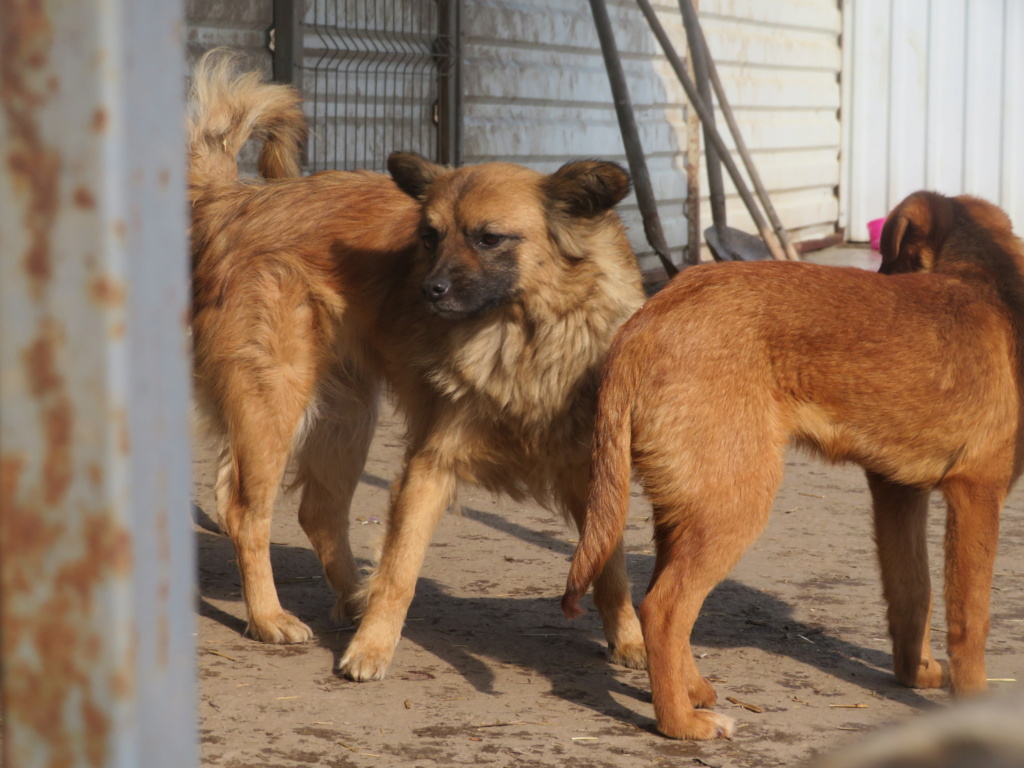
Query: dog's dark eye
(430,238)
(489,239)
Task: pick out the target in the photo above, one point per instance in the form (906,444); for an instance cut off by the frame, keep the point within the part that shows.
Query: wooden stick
(745,705)
(687,9)
(716,138)
(631,137)
(694,234)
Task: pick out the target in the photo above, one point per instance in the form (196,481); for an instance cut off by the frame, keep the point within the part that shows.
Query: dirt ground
(489,673)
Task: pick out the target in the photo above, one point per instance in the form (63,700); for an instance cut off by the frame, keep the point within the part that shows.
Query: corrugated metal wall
(536,93)
(780,64)
(935,99)
(240,24)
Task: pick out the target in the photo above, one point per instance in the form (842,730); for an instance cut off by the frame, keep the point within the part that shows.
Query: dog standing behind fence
(914,374)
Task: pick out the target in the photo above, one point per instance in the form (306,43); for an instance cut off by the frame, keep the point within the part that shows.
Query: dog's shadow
(529,634)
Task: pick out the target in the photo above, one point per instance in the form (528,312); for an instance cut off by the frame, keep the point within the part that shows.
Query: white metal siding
(536,93)
(780,63)
(934,99)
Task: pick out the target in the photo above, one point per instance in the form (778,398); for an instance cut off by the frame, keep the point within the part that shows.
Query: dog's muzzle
(436,288)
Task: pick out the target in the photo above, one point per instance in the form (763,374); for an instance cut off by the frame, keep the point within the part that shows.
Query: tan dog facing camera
(485,298)
(914,374)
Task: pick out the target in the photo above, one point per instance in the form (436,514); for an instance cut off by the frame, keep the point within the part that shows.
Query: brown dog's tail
(608,499)
(226,108)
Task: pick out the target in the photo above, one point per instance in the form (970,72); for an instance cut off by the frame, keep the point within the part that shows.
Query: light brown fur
(485,298)
(914,374)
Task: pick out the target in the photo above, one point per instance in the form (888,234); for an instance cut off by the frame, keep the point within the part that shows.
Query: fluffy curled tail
(226,107)
(608,500)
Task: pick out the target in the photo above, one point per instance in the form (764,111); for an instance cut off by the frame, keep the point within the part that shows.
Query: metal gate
(377,75)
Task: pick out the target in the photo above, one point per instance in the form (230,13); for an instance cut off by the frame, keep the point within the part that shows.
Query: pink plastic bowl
(875,233)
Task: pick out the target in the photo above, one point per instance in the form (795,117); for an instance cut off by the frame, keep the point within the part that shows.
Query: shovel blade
(728,244)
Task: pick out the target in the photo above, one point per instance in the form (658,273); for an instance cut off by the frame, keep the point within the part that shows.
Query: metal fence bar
(288,41)
(96,549)
(449,88)
(382,75)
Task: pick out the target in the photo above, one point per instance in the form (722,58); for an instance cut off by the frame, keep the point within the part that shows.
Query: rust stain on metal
(40,361)
(66,652)
(57,420)
(27,536)
(99,120)
(97,732)
(11,467)
(95,473)
(108,554)
(164,178)
(84,198)
(120,229)
(106,290)
(26,38)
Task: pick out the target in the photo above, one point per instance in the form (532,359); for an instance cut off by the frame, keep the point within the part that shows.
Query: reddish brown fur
(310,292)
(914,374)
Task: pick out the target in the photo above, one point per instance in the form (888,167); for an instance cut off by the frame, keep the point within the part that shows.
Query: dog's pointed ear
(893,232)
(586,188)
(412,173)
(914,232)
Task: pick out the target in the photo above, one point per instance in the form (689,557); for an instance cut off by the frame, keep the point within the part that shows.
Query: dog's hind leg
(900,518)
(259,434)
(712,496)
(330,463)
(424,491)
(972,532)
(687,567)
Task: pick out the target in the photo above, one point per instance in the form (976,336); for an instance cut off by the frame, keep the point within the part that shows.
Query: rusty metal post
(96,550)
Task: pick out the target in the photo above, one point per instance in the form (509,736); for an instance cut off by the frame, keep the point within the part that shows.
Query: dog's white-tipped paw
(364,664)
(698,725)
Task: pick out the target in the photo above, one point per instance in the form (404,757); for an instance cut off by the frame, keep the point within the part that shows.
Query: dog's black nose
(436,288)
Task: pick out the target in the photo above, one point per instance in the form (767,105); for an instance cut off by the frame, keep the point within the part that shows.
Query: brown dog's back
(809,353)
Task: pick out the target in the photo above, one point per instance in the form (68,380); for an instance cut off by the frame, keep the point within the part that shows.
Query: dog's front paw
(697,725)
(279,628)
(363,662)
(632,655)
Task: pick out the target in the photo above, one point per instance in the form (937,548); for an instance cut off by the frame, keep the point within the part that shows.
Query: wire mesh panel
(376,74)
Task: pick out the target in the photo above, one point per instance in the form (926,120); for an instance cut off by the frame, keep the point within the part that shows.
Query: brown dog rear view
(915,374)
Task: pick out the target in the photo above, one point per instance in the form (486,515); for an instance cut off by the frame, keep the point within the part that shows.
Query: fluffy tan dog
(485,298)
(914,374)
